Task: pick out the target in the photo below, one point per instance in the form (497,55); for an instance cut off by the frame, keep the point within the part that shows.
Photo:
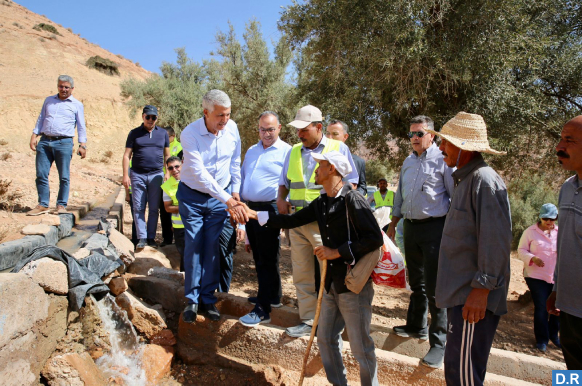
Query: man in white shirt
(211,171)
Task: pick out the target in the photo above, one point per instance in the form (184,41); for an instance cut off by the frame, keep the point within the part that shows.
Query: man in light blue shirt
(425,188)
(260,182)
(211,171)
(304,239)
(55,125)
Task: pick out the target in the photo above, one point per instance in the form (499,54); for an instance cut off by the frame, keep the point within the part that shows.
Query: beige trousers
(304,239)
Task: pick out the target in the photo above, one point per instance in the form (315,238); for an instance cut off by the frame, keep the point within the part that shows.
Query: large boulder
(123,246)
(147,259)
(166,292)
(156,362)
(168,274)
(50,219)
(31,323)
(73,369)
(50,274)
(36,229)
(146,319)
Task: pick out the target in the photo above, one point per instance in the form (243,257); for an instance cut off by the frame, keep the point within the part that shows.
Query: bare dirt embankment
(30,63)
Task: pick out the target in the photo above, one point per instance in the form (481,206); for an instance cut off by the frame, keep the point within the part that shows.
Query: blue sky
(148,31)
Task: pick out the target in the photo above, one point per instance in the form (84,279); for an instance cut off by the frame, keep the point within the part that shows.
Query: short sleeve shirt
(148,149)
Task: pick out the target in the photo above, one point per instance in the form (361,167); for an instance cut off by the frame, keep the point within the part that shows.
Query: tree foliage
(246,72)
(375,64)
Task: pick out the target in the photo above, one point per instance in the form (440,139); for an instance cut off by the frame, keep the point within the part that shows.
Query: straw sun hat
(467,132)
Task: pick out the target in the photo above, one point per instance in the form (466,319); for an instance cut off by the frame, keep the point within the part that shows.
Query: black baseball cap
(150,110)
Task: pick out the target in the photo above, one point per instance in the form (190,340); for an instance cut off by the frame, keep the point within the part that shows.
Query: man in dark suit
(339,130)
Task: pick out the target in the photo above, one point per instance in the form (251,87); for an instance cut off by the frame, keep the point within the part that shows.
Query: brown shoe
(60,210)
(38,210)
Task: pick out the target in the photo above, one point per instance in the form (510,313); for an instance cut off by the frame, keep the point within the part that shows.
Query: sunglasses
(177,167)
(151,117)
(548,219)
(419,134)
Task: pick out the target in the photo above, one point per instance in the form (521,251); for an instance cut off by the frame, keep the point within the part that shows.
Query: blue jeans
(203,218)
(146,189)
(546,326)
(354,312)
(60,152)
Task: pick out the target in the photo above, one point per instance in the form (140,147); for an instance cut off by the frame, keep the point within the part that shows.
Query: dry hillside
(30,63)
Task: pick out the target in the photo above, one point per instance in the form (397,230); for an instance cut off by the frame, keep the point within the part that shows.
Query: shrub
(7,198)
(7,3)
(108,154)
(526,196)
(70,30)
(5,156)
(104,65)
(42,40)
(137,64)
(53,37)
(17,25)
(46,27)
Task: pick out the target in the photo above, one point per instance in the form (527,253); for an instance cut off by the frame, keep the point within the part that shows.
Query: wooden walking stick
(315,320)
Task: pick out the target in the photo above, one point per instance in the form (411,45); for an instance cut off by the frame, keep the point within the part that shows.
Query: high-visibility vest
(171,188)
(387,201)
(301,193)
(175,147)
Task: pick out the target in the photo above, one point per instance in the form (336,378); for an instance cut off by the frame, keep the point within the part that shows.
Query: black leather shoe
(410,332)
(212,312)
(152,243)
(190,312)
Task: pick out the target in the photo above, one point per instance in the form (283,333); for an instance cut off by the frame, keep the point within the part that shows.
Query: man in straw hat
(340,307)
(298,182)
(424,190)
(565,300)
(473,272)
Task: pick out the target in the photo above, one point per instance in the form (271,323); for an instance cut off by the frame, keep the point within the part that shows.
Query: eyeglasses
(548,219)
(151,117)
(177,167)
(267,131)
(65,87)
(419,134)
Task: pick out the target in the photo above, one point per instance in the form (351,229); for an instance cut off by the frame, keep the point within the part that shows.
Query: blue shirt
(211,161)
(309,163)
(58,118)
(147,149)
(425,186)
(261,170)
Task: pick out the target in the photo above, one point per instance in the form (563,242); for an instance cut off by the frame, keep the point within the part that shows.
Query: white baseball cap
(305,116)
(337,159)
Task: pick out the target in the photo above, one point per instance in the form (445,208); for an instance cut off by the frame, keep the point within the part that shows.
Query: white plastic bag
(390,270)
(382,215)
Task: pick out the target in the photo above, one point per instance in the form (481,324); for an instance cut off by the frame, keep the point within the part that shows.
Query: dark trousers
(545,326)
(179,236)
(468,347)
(571,339)
(266,246)
(166,220)
(134,238)
(227,243)
(422,242)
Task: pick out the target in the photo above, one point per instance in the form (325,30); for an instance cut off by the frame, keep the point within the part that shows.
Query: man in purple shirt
(56,126)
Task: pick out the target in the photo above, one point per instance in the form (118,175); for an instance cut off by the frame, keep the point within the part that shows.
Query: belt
(424,219)
(260,203)
(55,137)
(202,193)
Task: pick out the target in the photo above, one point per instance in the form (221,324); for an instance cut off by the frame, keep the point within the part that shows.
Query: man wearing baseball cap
(340,308)
(473,271)
(148,147)
(297,181)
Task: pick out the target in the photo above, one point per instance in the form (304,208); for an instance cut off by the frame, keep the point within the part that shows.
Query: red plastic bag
(390,270)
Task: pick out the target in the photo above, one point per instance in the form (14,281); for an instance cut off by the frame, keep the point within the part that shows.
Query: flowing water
(124,361)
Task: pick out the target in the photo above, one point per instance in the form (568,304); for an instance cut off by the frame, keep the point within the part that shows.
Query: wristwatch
(83,146)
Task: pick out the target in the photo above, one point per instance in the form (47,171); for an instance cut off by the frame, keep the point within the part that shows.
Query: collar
(432,152)
(204,131)
(69,98)
(537,228)
(143,127)
(574,181)
(275,145)
(475,163)
(323,142)
(342,192)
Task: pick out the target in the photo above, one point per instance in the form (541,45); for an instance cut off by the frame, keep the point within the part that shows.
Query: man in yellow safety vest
(170,188)
(165,218)
(297,182)
(383,197)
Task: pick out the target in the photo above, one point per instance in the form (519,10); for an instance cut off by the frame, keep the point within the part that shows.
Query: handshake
(240,212)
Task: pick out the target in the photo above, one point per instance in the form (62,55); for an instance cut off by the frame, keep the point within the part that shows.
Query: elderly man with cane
(343,247)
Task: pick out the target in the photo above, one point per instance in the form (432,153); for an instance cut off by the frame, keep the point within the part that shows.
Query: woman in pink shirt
(537,250)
